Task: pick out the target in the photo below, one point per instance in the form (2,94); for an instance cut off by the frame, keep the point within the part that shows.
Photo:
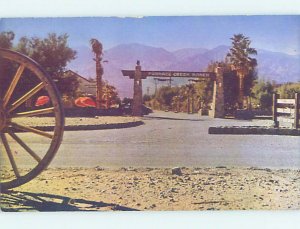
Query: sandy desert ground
(222,188)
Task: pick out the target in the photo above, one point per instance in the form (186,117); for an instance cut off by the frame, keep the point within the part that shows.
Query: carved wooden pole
(138,92)
(218,94)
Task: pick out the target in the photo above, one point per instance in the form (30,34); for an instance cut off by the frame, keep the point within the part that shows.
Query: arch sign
(145,74)
(138,75)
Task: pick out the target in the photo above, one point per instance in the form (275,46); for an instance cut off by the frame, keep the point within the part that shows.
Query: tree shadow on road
(12,201)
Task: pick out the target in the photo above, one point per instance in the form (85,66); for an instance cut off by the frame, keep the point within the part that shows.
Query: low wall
(251,114)
(253,130)
(91,112)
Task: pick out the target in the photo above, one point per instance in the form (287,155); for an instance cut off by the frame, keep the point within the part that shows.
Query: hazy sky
(275,33)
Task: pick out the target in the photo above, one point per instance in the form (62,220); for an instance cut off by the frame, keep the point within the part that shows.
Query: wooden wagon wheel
(16,137)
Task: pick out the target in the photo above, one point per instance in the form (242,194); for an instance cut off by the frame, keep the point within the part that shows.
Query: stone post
(137,91)
(218,95)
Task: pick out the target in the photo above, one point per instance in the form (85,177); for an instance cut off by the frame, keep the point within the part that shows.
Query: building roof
(79,76)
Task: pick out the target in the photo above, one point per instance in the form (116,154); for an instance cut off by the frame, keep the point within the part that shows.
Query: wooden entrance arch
(138,75)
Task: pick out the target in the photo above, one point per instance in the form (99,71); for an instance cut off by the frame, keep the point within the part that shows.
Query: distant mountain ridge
(276,66)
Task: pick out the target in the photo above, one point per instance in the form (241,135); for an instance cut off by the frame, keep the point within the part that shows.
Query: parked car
(146,110)
(127,109)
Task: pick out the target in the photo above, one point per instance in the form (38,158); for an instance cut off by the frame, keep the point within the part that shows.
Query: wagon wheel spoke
(31,129)
(21,143)
(37,152)
(10,155)
(13,84)
(27,96)
(33,113)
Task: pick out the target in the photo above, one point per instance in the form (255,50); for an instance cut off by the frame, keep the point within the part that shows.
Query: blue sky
(275,33)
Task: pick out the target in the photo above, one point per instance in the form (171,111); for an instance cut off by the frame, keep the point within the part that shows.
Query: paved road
(168,139)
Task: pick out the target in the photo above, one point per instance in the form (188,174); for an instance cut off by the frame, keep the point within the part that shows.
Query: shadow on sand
(12,201)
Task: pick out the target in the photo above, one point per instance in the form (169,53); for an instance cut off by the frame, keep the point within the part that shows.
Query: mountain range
(276,66)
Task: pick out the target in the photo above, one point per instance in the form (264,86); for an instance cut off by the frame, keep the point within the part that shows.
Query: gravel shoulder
(49,121)
(75,124)
(99,189)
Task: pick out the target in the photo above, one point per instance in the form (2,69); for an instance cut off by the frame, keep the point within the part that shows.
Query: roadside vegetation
(53,54)
(243,88)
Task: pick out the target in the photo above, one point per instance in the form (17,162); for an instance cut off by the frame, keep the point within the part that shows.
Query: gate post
(218,94)
(137,91)
(274,110)
(296,109)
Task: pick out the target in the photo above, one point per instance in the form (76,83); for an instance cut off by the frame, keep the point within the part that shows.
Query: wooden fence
(286,111)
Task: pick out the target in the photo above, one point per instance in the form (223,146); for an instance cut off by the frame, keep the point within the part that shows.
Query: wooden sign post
(138,75)
(137,91)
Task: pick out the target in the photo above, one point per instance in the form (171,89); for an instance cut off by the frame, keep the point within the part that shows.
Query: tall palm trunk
(99,73)
(241,89)
(97,49)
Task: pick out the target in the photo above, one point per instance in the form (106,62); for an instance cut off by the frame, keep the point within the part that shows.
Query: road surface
(168,139)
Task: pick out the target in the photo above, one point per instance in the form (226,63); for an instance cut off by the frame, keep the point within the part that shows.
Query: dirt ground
(99,189)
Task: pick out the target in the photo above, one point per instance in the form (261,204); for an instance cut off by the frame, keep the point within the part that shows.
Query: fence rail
(286,101)
(286,110)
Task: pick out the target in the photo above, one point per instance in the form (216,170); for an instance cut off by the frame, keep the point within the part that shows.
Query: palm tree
(241,62)
(97,50)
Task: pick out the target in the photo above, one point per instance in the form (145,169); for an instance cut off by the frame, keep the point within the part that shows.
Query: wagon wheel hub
(3,119)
